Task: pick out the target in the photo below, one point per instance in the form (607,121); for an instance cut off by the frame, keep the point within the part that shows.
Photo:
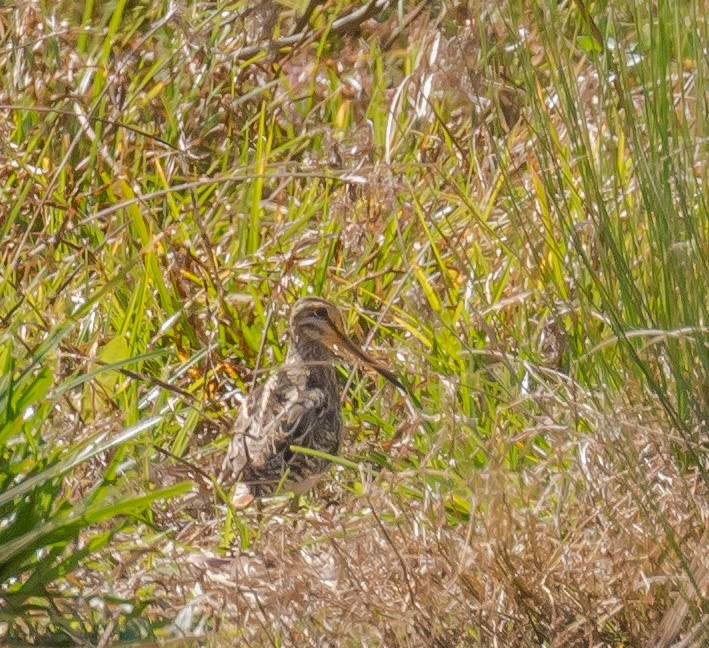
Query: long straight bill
(360,355)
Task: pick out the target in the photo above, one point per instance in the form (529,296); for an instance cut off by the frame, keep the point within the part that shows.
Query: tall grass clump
(507,200)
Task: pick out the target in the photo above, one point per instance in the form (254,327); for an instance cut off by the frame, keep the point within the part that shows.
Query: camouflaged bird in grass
(299,405)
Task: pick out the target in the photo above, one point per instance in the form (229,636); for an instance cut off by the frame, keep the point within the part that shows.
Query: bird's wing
(267,422)
(238,454)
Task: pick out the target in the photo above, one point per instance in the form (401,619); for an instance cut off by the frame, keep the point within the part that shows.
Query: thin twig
(346,23)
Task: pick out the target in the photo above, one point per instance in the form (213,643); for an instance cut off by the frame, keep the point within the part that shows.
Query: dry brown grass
(572,551)
(534,489)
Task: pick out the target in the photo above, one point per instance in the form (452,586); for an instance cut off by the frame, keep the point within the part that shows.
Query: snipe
(298,405)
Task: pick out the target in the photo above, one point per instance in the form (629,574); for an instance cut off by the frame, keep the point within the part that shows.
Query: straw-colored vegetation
(508,200)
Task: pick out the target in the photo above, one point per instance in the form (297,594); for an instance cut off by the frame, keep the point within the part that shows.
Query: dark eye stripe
(321,312)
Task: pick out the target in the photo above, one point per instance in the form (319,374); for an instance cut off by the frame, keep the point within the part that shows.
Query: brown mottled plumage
(298,405)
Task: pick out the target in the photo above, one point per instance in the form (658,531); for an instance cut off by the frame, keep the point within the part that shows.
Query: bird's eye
(321,312)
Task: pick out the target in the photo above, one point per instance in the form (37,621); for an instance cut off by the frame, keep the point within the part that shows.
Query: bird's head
(315,320)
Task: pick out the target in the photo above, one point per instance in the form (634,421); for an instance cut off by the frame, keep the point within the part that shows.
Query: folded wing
(268,425)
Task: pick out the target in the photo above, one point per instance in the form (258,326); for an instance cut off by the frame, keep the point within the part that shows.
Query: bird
(298,405)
